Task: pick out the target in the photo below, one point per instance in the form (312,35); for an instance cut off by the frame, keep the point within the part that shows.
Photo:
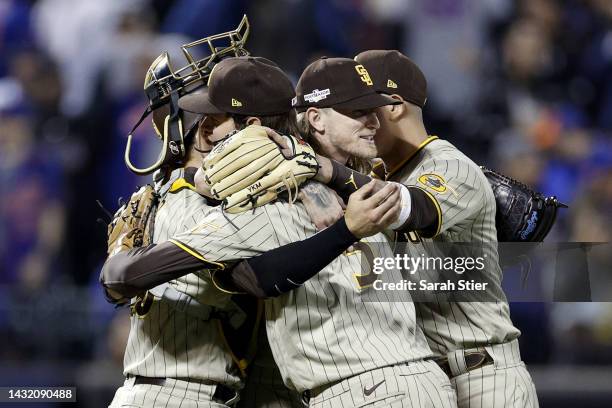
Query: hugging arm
(419,213)
(129,273)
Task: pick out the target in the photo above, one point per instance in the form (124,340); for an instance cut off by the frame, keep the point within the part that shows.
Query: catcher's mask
(163,86)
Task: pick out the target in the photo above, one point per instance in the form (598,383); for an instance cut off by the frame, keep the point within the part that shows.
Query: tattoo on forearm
(320,195)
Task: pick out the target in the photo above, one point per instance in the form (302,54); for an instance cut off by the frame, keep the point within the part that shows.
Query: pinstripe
(418,392)
(306,323)
(467,324)
(461,173)
(323,286)
(435,387)
(344,328)
(314,340)
(157,349)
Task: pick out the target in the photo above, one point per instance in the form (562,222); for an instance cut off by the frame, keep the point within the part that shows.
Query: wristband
(406,203)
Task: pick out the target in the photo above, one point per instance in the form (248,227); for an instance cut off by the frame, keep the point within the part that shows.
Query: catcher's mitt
(132,224)
(248,169)
(523,215)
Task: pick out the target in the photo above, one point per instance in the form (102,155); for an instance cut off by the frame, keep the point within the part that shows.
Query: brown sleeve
(423,216)
(132,272)
(345,181)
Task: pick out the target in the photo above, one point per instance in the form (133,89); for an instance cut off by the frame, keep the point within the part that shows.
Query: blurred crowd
(521,86)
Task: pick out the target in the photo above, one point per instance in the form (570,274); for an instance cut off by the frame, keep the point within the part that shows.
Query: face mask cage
(202,55)
(164,85)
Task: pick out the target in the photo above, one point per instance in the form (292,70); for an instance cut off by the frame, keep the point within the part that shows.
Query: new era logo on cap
(257,87)
(391,84)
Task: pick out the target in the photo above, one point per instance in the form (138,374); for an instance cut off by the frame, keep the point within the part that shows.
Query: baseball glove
(132,224)
(523,215)
(248,169)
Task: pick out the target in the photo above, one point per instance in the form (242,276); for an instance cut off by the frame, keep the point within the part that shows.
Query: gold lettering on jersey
(433,182)
(142,306)
(391,84)
(364,75)
(236,103)
(366,278)
(411,236)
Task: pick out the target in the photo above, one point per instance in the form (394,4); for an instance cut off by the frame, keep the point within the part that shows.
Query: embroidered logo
(351,180)
(368,391)
(364,75)
(317,95)
(433,181)
(531,224)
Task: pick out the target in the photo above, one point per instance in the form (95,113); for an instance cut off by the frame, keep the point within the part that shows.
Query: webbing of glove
(133,223)
(522,215)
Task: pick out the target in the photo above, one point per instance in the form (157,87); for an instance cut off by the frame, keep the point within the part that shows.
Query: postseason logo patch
(433,182)
(317,95)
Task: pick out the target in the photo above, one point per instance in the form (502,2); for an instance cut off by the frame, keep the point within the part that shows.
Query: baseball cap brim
(199,103)
(370,101)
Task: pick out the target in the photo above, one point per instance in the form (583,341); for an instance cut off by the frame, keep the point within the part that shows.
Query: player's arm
(276,272)
(208,246)
(128,273)
(419,211)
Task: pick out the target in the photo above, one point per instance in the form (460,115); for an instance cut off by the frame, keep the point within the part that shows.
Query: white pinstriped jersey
(169,343)
(322,331)
(467,206)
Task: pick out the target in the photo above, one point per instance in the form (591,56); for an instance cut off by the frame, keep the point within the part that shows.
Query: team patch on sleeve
(433,182)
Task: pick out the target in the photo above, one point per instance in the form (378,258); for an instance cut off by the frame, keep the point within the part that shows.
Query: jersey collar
(187,181)
(406,160)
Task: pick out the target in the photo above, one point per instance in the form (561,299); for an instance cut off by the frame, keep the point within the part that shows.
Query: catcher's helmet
(163,86)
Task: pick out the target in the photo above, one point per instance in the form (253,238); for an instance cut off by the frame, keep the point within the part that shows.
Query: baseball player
(328,343)
(450,201)
(176,354)
(180,350)
(476,341)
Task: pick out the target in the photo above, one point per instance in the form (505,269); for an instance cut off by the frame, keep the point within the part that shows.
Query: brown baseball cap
(338,83)
(395,73)
(244,86)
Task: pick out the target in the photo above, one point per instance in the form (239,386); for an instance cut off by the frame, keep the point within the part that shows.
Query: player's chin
(366,150)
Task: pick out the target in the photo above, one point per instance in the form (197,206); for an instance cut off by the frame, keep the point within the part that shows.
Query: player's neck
(194,160)
(407,137)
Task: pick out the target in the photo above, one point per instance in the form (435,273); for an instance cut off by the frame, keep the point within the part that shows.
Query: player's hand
(322,204)
(279,140)
(369,211)
(201,186)
(324,174)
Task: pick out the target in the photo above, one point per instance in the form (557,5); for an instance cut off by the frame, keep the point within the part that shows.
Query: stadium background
(524,87)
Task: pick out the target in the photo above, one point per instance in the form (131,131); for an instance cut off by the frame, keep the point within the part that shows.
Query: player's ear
(253,120)
(315,119)
(394,112)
